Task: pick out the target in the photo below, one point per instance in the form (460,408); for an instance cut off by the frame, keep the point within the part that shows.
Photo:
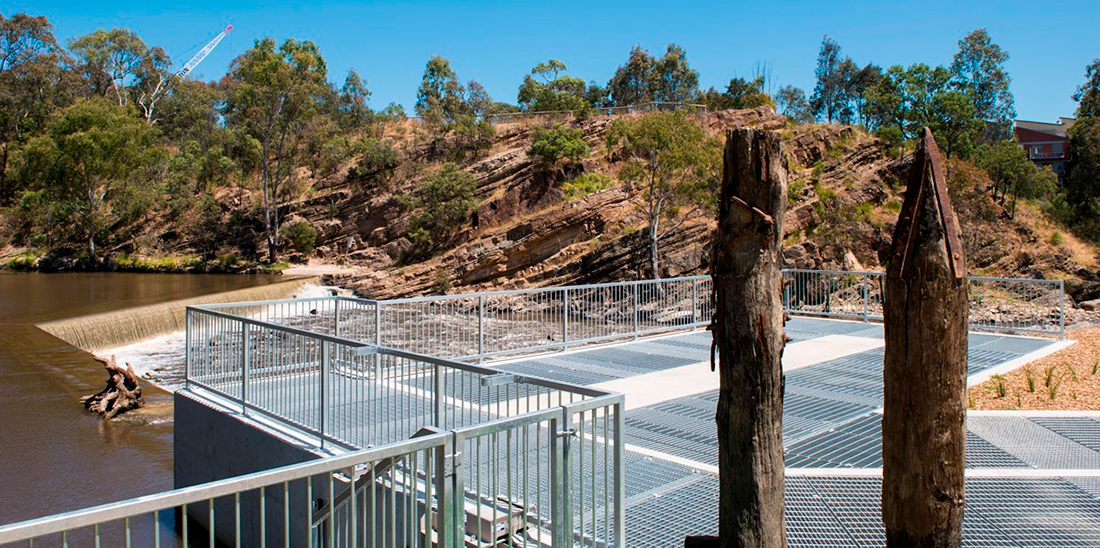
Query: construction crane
(209,47)
(148,103)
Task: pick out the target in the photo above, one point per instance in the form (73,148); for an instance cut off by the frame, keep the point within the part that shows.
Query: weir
(94,332)
(383,430)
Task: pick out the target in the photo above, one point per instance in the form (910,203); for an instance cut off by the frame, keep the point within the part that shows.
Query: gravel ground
(1065,380)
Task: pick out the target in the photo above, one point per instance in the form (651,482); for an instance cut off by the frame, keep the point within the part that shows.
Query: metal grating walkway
(830,420)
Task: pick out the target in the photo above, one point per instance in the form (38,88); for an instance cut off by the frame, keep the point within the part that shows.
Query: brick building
(1046,142)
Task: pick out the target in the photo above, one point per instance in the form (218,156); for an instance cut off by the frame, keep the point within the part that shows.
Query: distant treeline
(97,137)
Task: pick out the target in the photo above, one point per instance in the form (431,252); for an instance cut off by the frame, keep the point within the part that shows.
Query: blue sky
(497,43)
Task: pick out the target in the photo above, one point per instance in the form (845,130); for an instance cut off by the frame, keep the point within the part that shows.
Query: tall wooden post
(925,367)
(748,333)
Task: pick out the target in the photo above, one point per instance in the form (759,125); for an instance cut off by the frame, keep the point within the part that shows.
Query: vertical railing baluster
(244,368)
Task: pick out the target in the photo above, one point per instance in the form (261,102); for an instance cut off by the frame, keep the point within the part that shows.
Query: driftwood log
(122,392)
(925,365)
(748,334)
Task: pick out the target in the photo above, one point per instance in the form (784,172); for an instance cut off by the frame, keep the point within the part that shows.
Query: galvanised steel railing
(996,304)
(455,454)
(496,323)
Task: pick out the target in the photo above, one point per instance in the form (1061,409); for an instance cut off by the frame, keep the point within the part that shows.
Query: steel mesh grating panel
(858,444)
(1012,345)
(556,372)
(980,359)
(1037,511)
(1082,430)
(661,522)
(810,523)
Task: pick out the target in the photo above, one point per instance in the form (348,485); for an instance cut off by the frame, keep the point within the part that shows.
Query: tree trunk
(925,365)
(122,393)
(748,333)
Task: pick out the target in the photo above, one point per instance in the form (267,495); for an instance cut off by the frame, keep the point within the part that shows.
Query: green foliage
(906,99)
(840,91)
(551,144)
(672,163)
(792,103)
(377,160)
(118,64)
(977,70)
(547,88)
(1056,238)
(1013,173)
(740,93)
(301,235)
(1088,93)
(1082,193)
(588,183)
(794,190)
(644,78)
(453,112)
(275,97)
(89,161)
(440,208)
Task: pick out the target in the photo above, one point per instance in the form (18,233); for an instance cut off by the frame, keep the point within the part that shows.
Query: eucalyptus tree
(645,78)
(673,164)
(117,62)
(274,95)
(548,88)
(978,71)
(33,83)
(88,163)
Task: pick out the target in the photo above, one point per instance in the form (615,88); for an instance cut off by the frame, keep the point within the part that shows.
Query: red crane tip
(229,28)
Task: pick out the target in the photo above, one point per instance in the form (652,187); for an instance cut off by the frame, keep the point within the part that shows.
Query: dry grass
(1065,380)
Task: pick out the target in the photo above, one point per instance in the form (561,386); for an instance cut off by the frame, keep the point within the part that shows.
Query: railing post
(437,396)
(561,480)
(336,317)
(324,389)
(620,473)
(634,308)
(694,301)
(863,291)
(480,327)
(377,339)
(1061,309)
(565,318)
(244,368)
(447,483)
(187,349)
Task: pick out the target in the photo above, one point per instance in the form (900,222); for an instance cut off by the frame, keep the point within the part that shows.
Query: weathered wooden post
(925,366)
(748,334)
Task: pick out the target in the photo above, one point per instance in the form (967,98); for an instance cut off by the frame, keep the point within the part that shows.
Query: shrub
(440,207)
(794,190)
(377,158)
(586,184)
(1056,238)
(301,235)
(548,145)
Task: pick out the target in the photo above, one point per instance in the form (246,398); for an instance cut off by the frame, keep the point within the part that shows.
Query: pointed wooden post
(748,334)
(925,367)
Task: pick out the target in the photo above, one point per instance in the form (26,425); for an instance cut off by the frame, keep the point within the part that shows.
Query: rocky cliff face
(845,190)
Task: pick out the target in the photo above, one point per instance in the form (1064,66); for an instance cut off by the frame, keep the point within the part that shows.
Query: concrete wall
(211,444)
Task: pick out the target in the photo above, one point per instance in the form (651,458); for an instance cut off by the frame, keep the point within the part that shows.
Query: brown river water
(54,457)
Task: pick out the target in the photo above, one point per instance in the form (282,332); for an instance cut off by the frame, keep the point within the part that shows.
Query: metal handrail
(167,500)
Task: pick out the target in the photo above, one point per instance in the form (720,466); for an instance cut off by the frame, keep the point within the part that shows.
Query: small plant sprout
(1000,387)
(1072,373)
(1052,388)
(1049,376)
(1096,366)
(1030,380)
